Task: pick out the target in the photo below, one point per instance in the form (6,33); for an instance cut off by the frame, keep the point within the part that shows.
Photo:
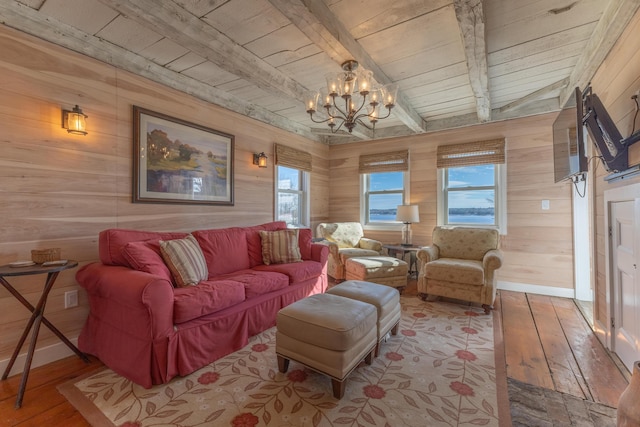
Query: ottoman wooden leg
(338,388)
(394,330)
(283,364)
(369,357)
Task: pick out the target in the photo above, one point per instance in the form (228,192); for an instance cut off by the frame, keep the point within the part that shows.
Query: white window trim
(306,202)
(501,200)
(381,226)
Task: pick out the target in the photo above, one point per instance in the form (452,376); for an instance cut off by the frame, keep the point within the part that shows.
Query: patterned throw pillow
(279,247)
(185,260)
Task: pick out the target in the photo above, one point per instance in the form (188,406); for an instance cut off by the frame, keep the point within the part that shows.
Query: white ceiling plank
(614,20)
(29,21)
(535,95)
(188,30)
(89,16)
(185,62)
(471,22)
(318,23)
(200,7)
(164,51)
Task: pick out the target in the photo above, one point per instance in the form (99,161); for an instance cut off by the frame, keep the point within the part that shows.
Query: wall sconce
(74,121)
(260,160)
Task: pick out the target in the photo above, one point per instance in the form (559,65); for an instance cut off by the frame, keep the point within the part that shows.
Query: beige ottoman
(327,333)
(383,270)
(384,298)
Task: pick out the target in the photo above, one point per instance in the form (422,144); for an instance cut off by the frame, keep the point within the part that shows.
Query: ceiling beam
(181,26)
(26,19)
(614,20)
(535,95)
(470,17)
(189,31)
(318,23)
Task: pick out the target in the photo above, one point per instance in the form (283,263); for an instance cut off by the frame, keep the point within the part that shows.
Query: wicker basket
(43,255)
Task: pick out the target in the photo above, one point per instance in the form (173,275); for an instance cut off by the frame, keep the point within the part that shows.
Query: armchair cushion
(456,270)
(347,253)
(344,234)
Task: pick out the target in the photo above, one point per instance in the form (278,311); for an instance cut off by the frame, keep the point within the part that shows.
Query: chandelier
(351,97)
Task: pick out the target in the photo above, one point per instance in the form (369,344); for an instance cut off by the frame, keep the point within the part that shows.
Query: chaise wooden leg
(422,296)
(338,388)
(487,308)
(283,364)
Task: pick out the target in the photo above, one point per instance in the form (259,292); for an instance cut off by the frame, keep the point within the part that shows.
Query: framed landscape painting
(175,161)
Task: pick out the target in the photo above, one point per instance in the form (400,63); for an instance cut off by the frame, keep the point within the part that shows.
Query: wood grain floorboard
(525,355)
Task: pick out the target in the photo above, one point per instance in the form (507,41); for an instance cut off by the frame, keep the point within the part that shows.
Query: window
(382,193)
(472,185)
(292,189)
(384,184)
(293,169)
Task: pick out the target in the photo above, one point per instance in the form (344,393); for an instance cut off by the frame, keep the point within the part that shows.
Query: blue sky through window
(472,176)
(385,181)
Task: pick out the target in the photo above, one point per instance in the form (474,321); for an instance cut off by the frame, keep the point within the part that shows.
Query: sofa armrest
(320,253)
(428,253)
(492,260)
(371,244)
(138,303)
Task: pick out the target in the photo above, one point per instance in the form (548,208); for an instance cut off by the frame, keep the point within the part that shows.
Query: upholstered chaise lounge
(461,264)
(345,240)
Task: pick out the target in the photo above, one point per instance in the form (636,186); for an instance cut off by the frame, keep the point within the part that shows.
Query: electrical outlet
(70,299)
(545,205)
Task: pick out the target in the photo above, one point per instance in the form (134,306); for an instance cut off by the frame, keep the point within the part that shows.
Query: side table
(399,251)
(37,316)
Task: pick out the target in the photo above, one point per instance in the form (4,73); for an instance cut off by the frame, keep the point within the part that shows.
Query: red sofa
(149,331)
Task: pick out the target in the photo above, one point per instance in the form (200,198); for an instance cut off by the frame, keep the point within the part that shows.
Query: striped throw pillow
(279,247)
(185,260)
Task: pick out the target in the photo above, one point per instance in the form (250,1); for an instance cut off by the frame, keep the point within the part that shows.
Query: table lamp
(407,214)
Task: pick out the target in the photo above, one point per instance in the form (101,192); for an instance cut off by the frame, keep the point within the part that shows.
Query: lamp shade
(408,213)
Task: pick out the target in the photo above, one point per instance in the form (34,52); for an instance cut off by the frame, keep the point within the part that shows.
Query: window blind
(290,157)
(395,161)
(471,153)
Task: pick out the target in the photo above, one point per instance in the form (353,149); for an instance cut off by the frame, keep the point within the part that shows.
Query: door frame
(620,194)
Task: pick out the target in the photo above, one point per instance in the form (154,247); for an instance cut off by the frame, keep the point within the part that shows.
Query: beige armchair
(345,240)
(461,264)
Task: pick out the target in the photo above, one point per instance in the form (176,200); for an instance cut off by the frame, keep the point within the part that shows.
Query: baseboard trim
(537,289)
(41,356)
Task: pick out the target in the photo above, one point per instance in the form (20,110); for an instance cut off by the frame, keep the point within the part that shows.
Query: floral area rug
(439,370)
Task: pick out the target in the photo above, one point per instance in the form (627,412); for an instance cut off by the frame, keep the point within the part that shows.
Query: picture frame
(176,161)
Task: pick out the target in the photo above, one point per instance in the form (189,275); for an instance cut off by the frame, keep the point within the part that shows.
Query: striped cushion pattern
(185,260)
(279,247)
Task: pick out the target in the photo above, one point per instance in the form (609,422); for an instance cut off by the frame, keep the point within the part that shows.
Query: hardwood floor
(546,339)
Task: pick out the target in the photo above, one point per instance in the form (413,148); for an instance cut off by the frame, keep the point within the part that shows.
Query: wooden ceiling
(457,62)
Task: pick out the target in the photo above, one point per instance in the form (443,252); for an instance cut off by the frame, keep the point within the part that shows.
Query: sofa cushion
(257,282)
(456,270)
(280,246)
(224,249)
(254,243)
(185,260)
(208,297)
(146,256)
(112,240)
(297,272)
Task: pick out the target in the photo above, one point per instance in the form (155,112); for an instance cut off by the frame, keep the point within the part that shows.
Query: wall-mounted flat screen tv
(569,154)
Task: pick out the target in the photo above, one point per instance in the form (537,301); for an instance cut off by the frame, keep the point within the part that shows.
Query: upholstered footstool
(327,333)
(383,270)
(385,299)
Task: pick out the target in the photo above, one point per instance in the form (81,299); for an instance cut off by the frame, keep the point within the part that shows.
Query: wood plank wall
(617,79)
(538,248)
(61,190)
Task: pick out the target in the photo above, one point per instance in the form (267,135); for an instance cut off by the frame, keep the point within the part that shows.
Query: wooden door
(626,292)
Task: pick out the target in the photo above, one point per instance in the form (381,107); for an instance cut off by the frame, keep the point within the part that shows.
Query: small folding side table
(37,316)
